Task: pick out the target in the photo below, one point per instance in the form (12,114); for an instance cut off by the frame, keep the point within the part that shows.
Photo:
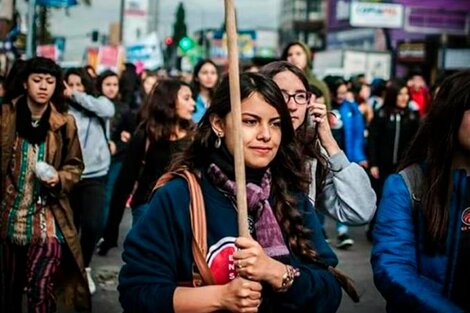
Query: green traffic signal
(186,44)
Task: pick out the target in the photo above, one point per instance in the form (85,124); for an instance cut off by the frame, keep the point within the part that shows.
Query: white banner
(383,15)
(6,9)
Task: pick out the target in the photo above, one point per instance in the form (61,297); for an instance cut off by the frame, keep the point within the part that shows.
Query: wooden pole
(234,80)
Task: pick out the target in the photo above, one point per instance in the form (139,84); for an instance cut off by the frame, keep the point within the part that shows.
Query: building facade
(433,36)
(303,20)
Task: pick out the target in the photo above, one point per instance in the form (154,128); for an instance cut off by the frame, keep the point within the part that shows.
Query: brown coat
(71,287)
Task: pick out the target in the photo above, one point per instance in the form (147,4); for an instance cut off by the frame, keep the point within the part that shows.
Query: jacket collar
(56,120)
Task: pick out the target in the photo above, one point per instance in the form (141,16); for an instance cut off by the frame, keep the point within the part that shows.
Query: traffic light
(168,41)
(94,35)
(186,44)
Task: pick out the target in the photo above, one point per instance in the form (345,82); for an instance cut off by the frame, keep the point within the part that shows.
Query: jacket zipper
(397,138)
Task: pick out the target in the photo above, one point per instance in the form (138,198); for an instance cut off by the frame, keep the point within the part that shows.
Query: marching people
(87,198)
(420,254)
(41,161)
(166,130)
(285,267)
(340,188)
(205,80)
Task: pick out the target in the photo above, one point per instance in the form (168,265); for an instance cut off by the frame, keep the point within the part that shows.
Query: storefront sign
(411,52)
(383,15)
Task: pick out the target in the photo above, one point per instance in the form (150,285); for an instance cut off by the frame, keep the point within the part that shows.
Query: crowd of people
(78,147)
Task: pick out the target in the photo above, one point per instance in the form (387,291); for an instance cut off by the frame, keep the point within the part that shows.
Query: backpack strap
(414,178)
(197,212)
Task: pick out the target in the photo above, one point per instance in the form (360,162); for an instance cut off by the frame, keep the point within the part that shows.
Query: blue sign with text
(56,3)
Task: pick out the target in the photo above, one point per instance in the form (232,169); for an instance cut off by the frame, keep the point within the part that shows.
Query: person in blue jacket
(205,80)
(421,247)
(285,267)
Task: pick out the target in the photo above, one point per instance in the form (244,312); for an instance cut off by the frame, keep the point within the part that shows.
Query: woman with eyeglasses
(339,188)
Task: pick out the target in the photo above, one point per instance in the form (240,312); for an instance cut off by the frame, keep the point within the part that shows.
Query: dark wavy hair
(196,85)
(86,79)
(159,111)
(40,65)
(286,168)
(307,136)
(100,79)
(434,145)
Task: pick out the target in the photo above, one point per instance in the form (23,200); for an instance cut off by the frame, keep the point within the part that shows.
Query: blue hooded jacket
(410,279)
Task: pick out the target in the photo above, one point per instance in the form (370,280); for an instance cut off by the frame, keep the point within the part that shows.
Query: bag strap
(197,212)
(414,178)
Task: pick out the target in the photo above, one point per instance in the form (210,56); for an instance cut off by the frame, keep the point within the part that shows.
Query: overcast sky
(199,13)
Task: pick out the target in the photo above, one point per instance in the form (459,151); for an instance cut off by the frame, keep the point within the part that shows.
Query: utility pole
(121,21)
(31,29)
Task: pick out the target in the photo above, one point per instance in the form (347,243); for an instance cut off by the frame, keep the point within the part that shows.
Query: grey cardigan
(347,196)
(96,155)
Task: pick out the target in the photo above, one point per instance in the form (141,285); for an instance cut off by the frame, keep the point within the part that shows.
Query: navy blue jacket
(157,254)
(409,279)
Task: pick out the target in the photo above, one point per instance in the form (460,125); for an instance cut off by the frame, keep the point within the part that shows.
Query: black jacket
(389,136)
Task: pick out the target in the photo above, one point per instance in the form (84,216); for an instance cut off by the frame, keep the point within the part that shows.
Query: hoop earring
(218,141)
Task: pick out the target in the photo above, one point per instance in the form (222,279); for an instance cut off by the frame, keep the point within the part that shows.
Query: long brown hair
(159,111)
(306,135)
(434,145)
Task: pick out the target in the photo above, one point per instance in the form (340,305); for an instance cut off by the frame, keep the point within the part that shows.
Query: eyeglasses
(302,97)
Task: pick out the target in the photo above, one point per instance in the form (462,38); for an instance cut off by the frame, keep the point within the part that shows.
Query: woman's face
(341,93)
(464,131)
(290,84)
(149,82)
(261,131)
(110,87)
(185,103)
(402,98)
(75,82)
(364,93)
(207,76)
(40,87)
(296,55)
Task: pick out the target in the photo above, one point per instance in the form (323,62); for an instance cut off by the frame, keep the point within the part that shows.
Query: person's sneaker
(91,283)
(344,241)
(104,247)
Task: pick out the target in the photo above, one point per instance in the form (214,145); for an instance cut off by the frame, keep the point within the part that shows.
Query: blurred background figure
(299,54)
(87,198)
(205,80)
(419,92)
(166,129)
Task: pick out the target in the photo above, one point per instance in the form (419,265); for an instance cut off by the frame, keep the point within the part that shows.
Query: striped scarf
(25,218)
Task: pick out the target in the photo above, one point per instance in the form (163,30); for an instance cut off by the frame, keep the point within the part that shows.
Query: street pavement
(354,262)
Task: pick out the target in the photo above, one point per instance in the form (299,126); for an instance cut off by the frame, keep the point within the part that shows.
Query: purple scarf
(268,232)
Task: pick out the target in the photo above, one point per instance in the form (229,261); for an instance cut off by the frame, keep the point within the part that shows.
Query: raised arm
(101,106)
